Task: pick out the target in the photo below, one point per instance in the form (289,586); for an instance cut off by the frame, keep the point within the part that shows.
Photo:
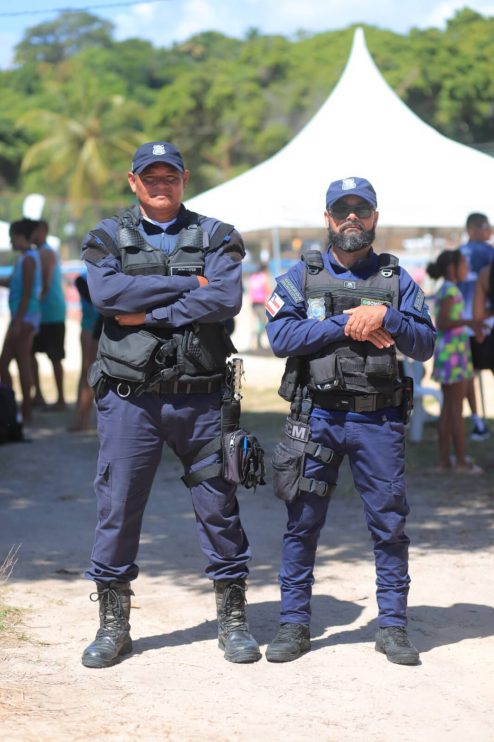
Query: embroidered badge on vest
(316,308)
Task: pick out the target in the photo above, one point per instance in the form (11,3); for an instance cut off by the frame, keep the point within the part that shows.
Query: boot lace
(399,635)
(233,607)
(111,608)
(291,631)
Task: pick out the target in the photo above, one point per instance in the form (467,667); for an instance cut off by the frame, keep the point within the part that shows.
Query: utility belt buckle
(365,403)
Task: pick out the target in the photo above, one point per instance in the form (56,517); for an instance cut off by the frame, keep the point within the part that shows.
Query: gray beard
(351,242)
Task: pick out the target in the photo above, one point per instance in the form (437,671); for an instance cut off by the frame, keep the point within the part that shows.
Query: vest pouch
(144,261)
(291,379)
(205,349)
(381,362)
(326,374)
(188,261)
(130,357)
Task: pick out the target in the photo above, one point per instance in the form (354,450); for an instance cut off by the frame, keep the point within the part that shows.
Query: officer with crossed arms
(165,279)
(339,317)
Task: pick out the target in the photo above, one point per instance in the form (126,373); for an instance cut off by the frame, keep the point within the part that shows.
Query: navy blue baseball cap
(152,152)
(351,187)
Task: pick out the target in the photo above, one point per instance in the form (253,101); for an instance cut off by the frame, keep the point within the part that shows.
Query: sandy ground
(177,685)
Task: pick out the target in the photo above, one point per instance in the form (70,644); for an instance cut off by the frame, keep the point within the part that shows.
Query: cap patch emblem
(347,184)
(159,149)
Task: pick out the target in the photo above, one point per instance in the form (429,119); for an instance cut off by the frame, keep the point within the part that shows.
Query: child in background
(25,310)
(452,359)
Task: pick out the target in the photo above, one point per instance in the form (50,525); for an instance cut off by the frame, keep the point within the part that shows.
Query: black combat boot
(291,641)
(233,631)
(113,637)
(393,641)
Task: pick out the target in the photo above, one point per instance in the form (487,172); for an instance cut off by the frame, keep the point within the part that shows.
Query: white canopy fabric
(422,178)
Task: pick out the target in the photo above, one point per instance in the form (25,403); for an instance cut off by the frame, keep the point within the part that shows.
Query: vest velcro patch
(291,289)
(372,302)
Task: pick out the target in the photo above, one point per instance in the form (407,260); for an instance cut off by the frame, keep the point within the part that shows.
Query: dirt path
(176,685)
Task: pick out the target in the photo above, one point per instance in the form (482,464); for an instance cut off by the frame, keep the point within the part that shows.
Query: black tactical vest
(147,357)
(349,365)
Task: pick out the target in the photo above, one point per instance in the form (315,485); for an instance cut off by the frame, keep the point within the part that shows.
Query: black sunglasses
(341,211)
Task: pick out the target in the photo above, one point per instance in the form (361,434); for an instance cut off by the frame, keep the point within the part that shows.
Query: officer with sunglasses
(340,317)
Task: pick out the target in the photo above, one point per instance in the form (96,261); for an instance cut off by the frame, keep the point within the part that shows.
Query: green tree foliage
(61,39)
(83,143)
(78,102)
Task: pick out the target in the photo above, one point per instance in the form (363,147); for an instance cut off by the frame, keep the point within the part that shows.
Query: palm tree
(80,149)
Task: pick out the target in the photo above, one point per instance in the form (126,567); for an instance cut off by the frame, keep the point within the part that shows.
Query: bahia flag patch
(274,304)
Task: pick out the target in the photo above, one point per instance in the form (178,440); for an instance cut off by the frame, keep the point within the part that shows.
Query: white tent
(422,178)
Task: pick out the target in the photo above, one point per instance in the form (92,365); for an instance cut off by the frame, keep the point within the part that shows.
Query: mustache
(352,224)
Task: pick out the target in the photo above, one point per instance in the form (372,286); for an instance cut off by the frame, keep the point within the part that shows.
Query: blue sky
(165,21)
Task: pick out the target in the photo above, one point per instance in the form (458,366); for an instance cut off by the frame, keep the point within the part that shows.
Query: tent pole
(275,239)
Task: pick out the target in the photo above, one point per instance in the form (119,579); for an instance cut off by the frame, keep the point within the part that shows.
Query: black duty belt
(357,402)
(125,389)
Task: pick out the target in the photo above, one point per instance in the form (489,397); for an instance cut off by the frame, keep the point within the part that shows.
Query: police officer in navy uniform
(165,279)
(339,317)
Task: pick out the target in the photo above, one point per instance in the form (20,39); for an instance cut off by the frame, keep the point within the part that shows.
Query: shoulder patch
(274,304)
(291,289)
(418,304)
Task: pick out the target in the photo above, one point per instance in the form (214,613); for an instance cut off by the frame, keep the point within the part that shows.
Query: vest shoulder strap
(99,245)
(219,235)
(386,260)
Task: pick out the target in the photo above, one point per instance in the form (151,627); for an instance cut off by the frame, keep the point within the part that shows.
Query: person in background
(453,367)
(259,287)
(25,310)
(483,309)
(478,254)
(51,336)
(91,322)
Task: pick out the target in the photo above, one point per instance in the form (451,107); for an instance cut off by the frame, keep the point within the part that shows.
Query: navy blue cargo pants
(375,445)
(132,432)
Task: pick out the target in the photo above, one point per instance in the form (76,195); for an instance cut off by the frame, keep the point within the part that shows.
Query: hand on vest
(136,318)
(203,281)
(363,320)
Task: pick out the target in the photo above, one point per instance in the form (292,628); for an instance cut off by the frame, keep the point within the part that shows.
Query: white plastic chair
(415,369)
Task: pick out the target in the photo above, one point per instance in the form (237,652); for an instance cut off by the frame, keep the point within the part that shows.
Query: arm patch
(418,303)
(291,289)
